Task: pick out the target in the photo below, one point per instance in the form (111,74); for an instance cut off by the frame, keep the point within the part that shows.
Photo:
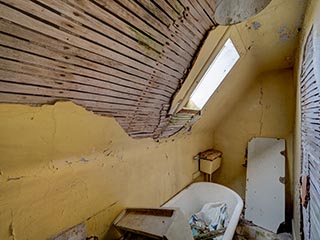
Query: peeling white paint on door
(265,189)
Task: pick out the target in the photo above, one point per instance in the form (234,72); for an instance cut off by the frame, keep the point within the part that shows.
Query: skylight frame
(214,76)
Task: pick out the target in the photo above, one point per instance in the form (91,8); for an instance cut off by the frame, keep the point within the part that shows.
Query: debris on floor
(246,230)
(153,223)
(210,222)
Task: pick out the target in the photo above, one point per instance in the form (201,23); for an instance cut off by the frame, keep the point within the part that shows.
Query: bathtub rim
(234,219)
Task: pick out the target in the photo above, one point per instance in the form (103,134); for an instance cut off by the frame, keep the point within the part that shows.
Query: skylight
(217,71)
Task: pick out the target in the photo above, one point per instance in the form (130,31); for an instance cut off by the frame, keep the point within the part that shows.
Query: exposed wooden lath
(120,58)
(310,139)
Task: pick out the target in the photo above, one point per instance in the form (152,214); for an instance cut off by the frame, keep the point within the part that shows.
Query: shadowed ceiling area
(124,59)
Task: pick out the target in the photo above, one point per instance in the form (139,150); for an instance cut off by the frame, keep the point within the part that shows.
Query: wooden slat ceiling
(310,137)
(119,58)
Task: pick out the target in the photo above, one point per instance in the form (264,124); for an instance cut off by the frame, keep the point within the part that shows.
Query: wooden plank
(165,30)
(142,119)
(110,66)
(205,20)
(38,100)
(35,100)
(313,91)
(185,10)
(312,95)
(65,36)
(307,123)
(306,67)
(310,100)
(130,11)
(105,41)
(198,20)
(311,83)
(10,87)
(209,7)
(70,62)
(312,108)
(314,141)
(113,34)
(119,113)
(20,57)
(57,75)
(311,103)
(310,116)
(159,10)
(183,31)
(308,59)
(107,16)
(307,76)
(21,78)
(56,66)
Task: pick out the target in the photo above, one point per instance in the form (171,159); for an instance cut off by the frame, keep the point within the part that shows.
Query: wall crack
(11,228)
(262,109)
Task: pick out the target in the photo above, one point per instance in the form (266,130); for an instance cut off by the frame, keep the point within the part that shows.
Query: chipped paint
(83,160)
(282,180)
(284,33)
(14,178)
(256,25)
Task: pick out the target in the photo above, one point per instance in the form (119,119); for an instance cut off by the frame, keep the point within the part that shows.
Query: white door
(265,188)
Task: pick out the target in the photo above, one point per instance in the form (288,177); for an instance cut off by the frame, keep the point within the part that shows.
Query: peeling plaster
(284,33)
(14,178)
(256,25)
(84,160)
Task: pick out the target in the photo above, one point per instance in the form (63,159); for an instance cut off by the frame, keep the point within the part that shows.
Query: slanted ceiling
(119,58)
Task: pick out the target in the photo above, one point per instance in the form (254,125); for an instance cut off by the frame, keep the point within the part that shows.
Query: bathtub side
(191,199)
(228,235)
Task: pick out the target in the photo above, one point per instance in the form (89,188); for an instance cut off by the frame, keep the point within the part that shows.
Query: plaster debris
(256,25)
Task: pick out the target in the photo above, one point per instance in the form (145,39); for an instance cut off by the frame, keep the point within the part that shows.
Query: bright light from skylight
(217,71)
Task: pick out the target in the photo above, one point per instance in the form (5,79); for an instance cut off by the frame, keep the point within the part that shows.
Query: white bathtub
(191,199)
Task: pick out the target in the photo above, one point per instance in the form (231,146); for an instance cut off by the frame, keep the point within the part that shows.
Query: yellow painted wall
(265,110)
(61,165)
(312,17)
